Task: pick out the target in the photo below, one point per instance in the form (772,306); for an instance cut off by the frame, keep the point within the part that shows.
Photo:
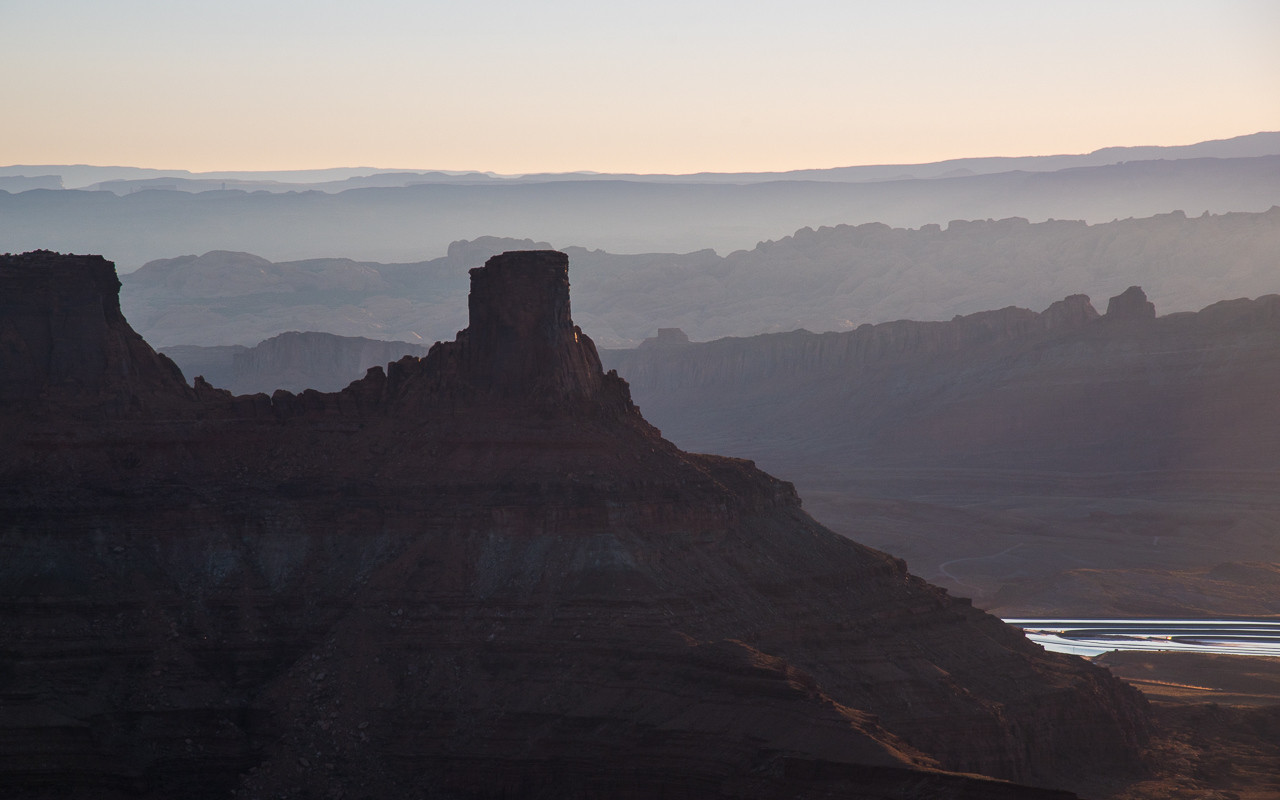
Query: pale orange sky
(653,87)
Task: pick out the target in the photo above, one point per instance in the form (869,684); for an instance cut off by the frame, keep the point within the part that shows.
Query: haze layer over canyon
(830,279)
(623,214)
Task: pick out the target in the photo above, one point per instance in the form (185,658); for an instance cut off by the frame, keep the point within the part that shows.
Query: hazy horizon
(670,88)
(362,168)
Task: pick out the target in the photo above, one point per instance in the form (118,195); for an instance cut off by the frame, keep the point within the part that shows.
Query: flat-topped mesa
(667,337)
(63,338)
(521,345)
(1131,304)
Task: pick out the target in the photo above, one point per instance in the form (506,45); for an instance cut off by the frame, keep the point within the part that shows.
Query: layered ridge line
(1066,390)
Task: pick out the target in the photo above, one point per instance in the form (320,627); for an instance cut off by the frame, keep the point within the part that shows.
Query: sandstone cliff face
(63,339)
(478,573)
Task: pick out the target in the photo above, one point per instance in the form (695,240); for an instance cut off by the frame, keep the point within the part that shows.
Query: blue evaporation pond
(1091,637)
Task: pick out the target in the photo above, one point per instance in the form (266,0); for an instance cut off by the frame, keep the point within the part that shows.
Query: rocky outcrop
(63,338)
(521,343)
(1131,304)
(481,572)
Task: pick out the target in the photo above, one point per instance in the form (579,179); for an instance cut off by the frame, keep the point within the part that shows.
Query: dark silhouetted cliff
(477,573)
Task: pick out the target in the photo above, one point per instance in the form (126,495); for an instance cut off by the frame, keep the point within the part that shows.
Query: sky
(658,86)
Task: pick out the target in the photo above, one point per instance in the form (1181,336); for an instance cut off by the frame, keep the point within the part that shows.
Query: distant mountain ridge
(226,298)
(1063,390)
(830,279)
(413,223)
(339,179)
(293,361)
(1252,145)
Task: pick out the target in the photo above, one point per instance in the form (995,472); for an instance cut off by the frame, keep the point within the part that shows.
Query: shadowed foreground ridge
(476,574)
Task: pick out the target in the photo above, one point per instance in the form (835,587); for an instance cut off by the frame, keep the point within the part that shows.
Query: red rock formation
(479,573)
(522,344)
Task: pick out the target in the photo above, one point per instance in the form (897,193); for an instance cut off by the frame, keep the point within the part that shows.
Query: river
(1091,637)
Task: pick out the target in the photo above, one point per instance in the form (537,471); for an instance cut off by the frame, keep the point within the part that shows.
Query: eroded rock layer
(478,573)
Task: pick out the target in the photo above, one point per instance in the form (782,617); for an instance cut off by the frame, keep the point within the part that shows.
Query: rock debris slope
(479,573)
